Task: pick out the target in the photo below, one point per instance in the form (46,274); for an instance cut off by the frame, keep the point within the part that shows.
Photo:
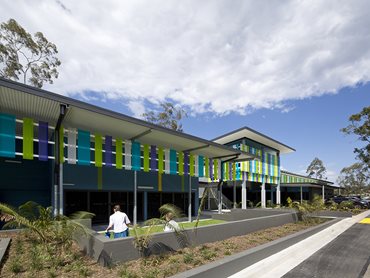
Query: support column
(278,194)
(145,209)
(189,205)
(234,194)
(219,193)
(135,198)
(272,195)
(301,195)
(244,192)
(58,165)
(263,195)
(323,193)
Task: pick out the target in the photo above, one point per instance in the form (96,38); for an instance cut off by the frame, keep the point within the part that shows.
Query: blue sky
(293,70)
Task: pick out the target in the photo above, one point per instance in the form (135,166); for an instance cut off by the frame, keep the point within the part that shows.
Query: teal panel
(173,162)
(136,160)
(83,150)
(7,135)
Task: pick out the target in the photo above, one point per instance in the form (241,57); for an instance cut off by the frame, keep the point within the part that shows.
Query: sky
(293,70)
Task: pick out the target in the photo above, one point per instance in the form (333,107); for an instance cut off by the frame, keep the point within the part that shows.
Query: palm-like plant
(143,237)
(56,230)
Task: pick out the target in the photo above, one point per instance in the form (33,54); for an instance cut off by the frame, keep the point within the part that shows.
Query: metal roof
(246,132)
(317,183)
(26,101)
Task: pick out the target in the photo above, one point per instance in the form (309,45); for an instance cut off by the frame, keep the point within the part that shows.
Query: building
(73,156)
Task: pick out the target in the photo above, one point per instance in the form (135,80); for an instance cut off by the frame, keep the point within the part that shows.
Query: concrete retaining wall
(241,214)
(107,251)
(4,243)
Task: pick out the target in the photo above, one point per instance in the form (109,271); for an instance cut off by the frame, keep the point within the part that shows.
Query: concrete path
(288,259)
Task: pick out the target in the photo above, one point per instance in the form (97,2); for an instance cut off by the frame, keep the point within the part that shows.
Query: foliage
(360,126)
(355,178)
(169,117)
(331,205)
(316,169)
(142,240)
(289,202)
(22,56)
(52,236)
(308,209)
(346,205)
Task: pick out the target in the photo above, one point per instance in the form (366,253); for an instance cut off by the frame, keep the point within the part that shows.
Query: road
(346,256)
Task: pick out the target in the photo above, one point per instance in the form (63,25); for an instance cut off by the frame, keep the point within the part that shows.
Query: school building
(73,156)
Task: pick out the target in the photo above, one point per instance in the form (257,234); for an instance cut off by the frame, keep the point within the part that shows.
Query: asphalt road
(346,256)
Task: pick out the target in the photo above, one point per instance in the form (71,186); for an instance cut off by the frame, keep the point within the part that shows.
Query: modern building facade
(73,156)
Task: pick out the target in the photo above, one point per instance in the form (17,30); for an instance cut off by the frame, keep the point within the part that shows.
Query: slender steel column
(244,192)
(135,197)
(189,205)
(263,196)
(301,195)
(234,194)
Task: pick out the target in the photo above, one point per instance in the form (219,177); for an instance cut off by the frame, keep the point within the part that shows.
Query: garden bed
(23,261)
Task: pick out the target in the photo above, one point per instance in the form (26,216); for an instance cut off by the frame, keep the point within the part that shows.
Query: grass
(184,225)
(28,264)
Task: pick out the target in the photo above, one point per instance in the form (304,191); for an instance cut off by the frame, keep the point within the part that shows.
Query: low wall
(107,251)
(4,243)
(241,214)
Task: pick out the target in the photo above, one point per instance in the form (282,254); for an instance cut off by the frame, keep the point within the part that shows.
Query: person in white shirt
(171,225)
(119,221)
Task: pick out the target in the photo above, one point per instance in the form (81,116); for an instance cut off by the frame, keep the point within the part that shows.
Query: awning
(246,132)
(26,101)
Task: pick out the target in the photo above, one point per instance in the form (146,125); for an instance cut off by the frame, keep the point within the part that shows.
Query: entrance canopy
(25,101)
(246,132)
(289,179)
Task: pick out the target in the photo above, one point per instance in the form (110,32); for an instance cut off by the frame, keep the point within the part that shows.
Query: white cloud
(211,56)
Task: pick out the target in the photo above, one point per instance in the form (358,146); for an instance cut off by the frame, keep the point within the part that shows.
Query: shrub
(346,205)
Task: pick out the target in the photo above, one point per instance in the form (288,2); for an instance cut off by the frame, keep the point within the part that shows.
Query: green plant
(36,259)
(53,234)
(52,273)
(346,205)
(124,272)
(142,240)
(208,254)
(188,258)
(15,266)
(331,205)
(289,202)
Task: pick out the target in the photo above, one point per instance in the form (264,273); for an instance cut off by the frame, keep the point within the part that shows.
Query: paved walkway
(306,258)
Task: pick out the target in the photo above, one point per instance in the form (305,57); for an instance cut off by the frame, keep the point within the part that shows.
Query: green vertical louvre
(146,158)
(206,170)
(118,153)
(27,138)
(98,150)
(201,166)
(234,171)
(226,167)
(160,160)
(191,165)
(181,163)
(215,169)
(61,142)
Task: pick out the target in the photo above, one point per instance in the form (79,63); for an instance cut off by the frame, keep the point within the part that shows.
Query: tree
(316,169)
(360,126)
(355,178)
(32,59)
(170,117)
